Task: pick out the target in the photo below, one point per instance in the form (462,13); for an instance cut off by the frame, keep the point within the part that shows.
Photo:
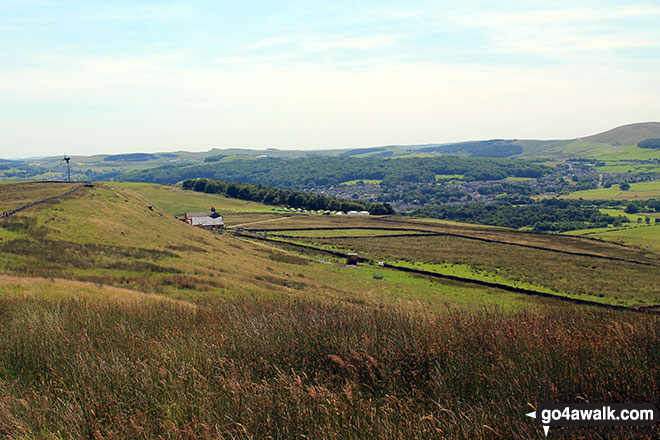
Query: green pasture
(640,190)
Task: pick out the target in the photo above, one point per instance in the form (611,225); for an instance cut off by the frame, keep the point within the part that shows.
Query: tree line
(283,197)
(548,215)
(319,172)
(649,143)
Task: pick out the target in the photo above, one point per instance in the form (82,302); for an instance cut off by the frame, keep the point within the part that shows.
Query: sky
(87,77)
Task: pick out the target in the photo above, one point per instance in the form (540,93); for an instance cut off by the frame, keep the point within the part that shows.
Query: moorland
(118,320)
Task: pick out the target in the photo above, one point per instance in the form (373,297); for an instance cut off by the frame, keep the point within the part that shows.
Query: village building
(207,220)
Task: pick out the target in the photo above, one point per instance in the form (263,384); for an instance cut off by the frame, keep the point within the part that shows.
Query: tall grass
(257,368)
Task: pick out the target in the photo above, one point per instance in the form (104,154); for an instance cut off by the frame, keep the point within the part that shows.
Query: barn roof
(207,221)
(211,218)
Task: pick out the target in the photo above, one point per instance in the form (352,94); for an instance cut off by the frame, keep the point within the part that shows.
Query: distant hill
(131,157)
(593,146)
(616,144)
(491,148)
(630,134)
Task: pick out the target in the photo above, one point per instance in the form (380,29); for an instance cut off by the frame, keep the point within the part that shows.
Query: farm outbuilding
(208,220)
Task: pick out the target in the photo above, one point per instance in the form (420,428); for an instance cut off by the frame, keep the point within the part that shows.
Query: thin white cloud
(359,43)
(316,43)
(562,44)
(270,42)
(550,16)
(153,104)
(563,32)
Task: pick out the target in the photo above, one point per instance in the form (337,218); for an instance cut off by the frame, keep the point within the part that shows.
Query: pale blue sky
(92,77)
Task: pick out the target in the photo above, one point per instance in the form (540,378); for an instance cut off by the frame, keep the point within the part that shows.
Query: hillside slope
(118,322)
(630,134)
(109,235)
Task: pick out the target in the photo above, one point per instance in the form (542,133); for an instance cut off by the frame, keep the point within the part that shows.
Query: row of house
(352,213)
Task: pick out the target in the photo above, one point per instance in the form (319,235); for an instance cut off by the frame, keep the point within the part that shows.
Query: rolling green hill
(616,144)
(569,149)
(119,322)
(630,134)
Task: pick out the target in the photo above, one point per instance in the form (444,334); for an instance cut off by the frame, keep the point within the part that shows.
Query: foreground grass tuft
(287,368)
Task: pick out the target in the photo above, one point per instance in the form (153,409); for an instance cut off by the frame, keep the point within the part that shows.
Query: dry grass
(558,242)
(13,195)
(617,281)
(175,201)
(81,238)
(38,289)
(263,344)
(307,369)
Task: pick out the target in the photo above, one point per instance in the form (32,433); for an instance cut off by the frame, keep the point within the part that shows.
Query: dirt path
(20,208)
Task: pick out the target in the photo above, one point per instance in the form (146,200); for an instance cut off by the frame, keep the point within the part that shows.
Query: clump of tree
(650,143)
(637,206)
(270,195)
(216,158)
(549,215)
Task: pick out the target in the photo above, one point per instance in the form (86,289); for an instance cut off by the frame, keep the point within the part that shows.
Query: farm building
(209,220)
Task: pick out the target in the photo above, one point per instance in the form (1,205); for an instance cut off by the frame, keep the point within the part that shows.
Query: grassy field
(248,218)
(627,167)
(644,236)
(117,322)
(640,190)
(490,254)
(601,280)
(344,232)
(449,176)
(108,235)
(478,232)
(15,194)
(630,134)
(175,201)
(630,152)
(519,179)
(635,219)
(572,149)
